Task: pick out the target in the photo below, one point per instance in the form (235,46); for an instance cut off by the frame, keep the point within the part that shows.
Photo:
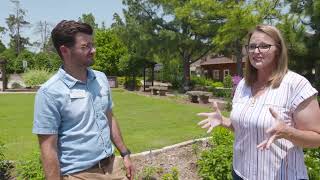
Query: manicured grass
(146,122)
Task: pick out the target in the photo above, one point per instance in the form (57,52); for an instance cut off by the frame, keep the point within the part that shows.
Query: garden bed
(181,158)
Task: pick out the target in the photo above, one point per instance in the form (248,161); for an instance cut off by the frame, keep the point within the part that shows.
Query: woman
(274,114)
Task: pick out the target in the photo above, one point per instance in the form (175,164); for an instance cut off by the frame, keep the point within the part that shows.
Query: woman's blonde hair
(281,57)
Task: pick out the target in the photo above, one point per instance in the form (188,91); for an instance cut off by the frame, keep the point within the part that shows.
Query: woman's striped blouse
(251,118)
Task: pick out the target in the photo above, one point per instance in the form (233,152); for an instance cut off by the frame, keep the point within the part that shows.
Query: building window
(215,74)
(226,72)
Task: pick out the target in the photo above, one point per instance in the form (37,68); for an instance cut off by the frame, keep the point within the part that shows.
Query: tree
(110,49)
(9,55)
(194,28)
(15,23)
(2,47)
(308,12)
(43,28)
(139,42)
(46,60)
(89,19)
(294,34)
(173,34)
(232,19)
(25,55)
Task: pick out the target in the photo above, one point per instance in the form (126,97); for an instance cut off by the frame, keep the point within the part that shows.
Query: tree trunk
(186,72)
(239,58)
(4,75)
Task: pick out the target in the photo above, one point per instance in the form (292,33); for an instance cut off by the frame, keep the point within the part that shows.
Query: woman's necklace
(256,92)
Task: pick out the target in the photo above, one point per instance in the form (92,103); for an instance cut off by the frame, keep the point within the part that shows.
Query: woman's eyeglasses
(263,48)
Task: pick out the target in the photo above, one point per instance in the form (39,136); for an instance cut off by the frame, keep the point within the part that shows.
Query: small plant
(312,160)
(132,83)
(227,81)
(31,168)
(121,80)
(5,166)
(217,84)
(216,163)
(148,173)
(36,77)
(195,148)
(174,175)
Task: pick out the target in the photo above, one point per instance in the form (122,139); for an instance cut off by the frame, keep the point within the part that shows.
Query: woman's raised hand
(213,119)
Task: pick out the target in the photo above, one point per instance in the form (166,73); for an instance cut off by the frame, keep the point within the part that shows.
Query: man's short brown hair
(65,31)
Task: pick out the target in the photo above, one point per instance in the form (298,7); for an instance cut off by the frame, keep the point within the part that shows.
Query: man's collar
(70,81)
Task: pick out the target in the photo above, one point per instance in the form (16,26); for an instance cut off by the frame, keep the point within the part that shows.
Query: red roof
(209,60)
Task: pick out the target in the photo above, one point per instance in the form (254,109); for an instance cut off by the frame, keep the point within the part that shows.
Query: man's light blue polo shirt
(75,111)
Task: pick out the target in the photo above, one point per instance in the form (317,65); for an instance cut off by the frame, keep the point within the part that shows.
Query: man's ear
(64,50)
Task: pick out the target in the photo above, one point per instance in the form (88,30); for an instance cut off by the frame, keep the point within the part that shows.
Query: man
(73,114)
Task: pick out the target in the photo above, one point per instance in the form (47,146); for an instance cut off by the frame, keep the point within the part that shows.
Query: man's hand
(213,120)
(277,131)
(130,170)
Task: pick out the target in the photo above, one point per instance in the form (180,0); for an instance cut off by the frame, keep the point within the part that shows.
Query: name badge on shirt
(77,94)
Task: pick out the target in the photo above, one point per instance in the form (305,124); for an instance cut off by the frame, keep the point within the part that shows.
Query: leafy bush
(222,92)
(171,71)
(216,163)
(132,83)
(148,173)
(36,77)
(174,175)
(10,56)
(121,80)
(201,81)
(46,60)
(5,165)
(227,81)
(31,168)
(217,84)
(312,160)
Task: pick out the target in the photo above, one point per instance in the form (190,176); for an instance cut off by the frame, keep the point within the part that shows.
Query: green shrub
(222,92)
(216,163)
(174,175)
(227,81)
(148,173)
(36,77)
(31,168)
(217,84)
(312,160)
(5,166)
(201,81)
(121,80)
(132,83)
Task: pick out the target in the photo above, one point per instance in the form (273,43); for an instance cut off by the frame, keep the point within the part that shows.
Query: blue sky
(54,11)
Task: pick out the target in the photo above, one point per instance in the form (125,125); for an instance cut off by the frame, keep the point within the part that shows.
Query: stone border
(171,147)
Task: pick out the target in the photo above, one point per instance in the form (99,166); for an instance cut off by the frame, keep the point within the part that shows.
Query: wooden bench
(203,96)
(161,89)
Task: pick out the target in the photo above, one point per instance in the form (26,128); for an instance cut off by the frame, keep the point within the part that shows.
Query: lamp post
(3,72)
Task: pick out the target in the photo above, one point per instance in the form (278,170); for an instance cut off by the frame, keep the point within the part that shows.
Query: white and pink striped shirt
(251,118)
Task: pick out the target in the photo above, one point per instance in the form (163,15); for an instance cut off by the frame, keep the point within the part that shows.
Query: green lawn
(146,122)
